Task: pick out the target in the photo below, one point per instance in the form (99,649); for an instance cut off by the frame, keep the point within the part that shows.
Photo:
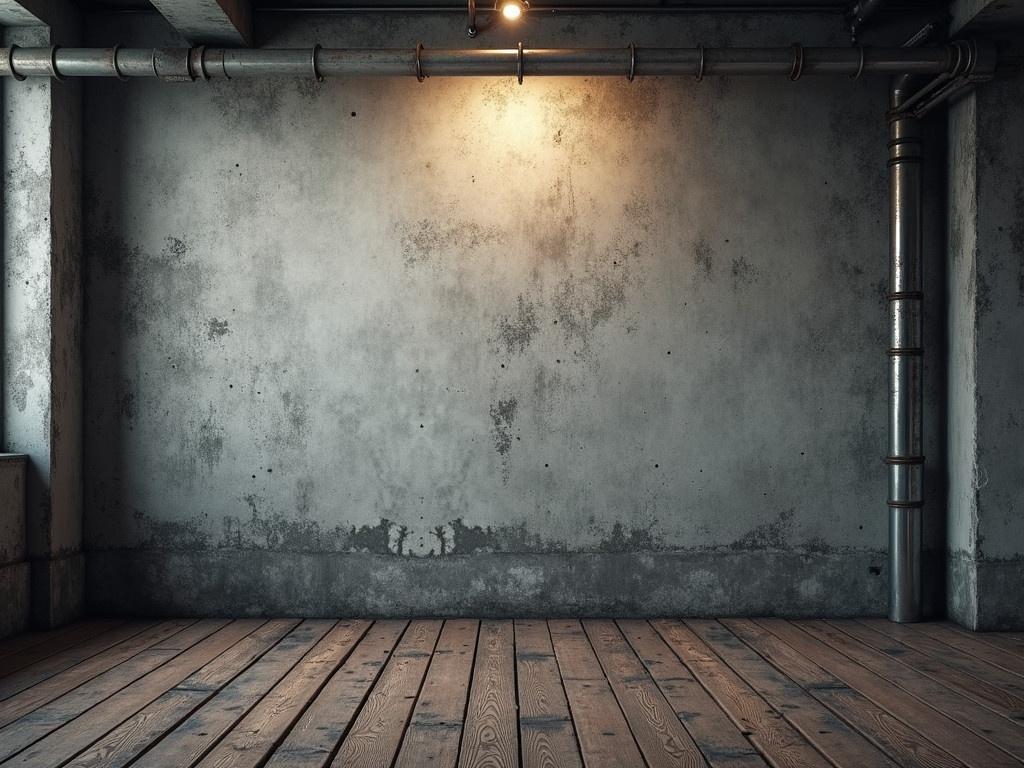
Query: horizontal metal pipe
(206,63)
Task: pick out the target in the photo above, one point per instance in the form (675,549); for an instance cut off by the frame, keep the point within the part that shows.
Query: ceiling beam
(24,13)
(209,22)
(986,15)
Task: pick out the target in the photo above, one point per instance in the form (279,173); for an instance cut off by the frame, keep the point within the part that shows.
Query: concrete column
(42,321)
(985,574)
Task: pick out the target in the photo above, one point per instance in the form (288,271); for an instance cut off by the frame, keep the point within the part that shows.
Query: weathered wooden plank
(996,730)
(718,738)
(435,728)
(46,691)
(1011,642)
(904,744)
(489,737)
(313,740)
(546,733)
(940,730)
(377,732)
(66,737)
(766,728)
(972,644)
(254,737)
(133,736)
(831,736)
(33,674)
(971,677)
(188,742)
(25,640)
(658,732)
(604,736)
(54,643)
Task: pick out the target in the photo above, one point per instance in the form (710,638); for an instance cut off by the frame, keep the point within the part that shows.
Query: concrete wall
(468,346)
(986,332)
(42,321)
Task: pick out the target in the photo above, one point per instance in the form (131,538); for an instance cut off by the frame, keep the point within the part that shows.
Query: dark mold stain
(703,257)
(275,531)
(515,332)
(584,302)
(503,414)
(462,539)
(217,329)
(427,239)
(743,273)
(771,535)
(634,540)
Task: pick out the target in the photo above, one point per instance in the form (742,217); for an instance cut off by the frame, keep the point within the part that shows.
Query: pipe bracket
(10,63)
(903,460)
(700,63)
(798,62)
(53,65)
(519,63)
(419,63)
(313,62)
(632,62)
(860,65)
(905,504)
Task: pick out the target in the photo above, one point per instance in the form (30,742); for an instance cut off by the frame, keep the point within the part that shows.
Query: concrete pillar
(42,321)
(985,573)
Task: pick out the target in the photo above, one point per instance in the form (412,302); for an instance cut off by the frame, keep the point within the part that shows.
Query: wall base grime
(255,583)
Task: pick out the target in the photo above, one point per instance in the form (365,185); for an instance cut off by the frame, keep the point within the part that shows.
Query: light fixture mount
(511,10)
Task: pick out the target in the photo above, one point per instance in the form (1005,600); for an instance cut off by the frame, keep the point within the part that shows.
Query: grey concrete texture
(404,330)
(986,333)
(42,316)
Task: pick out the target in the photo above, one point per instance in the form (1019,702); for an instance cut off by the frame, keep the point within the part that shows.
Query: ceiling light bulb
(512,10)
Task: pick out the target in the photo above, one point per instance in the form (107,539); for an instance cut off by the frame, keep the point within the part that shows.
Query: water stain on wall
(427,239)
(516,331)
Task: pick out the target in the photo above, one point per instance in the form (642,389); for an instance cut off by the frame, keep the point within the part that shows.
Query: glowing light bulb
(512,10)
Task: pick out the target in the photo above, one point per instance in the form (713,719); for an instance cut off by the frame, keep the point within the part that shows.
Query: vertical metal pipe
(906,359)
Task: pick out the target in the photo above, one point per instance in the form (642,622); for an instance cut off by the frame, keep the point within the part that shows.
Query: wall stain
(743,273)
(771,535)
(217,329)
(503,415)
(428,239)
(583,302)
(278,532)
(515,332)
(703,257)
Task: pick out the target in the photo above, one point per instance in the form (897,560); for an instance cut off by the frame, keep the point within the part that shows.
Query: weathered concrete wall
(42,321)
(14,567)
(986,331)
(469,346)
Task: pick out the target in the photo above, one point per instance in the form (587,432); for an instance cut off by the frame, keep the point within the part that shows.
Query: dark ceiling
(669,6)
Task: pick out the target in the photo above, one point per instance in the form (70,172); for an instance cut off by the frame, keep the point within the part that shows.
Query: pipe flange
(519,63)
(10,63)
(860,65)
(632,62)
(700,63)
(419,62)
(798,62)
(114,65)
(312,60)
(53,65)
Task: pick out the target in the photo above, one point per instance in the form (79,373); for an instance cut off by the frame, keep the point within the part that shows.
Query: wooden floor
(736,692)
